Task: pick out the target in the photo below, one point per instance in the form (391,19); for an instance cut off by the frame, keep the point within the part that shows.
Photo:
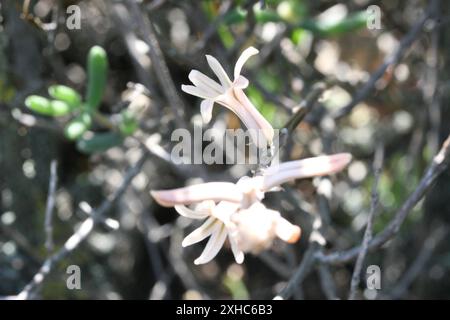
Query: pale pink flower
(258,226)
(230,94)
(236,211)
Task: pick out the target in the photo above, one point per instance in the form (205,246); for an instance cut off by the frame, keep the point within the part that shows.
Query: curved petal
(216,191)
(332,162)
(205,83)
(202,232)
(213,246)
(241,82)
(237,253)
(206,108)
(192,214)
(198,92)
(249,114)
(310,167)
(218,70)
(231,102)
(245,55)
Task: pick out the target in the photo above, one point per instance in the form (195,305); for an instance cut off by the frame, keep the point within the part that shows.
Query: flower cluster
(229,94)
(235,210)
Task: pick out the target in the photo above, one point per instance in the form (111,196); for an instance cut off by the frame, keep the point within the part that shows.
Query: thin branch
(275,264)
(211,30)
(121,16)
(378,162)
(436,168)
(419,263)
(22,242)
(316,242)
(302,110)
(430,87)
(327,282)
(175,255)
(161,70)
(48,224)
(306,105)
(146,225)
(391,60)
(300,274)
(81,233)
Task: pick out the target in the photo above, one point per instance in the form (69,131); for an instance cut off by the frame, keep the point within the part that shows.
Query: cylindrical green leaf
(66,94)
(99,142)
(128,123)
(263,16)
(351,23)
(238,15)
(97,71)
(75,129)
(39,104)
(59,108)
(54,108)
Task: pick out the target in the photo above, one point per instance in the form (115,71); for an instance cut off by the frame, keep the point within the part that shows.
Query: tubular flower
(230,94)
(235,210)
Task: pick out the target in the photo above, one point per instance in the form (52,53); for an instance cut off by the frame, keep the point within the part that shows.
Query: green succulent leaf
(128,123)
(351,23)
(66,94)
(99,142)
(239,15)
(60,108)
(97,72)
(44,106)
(39,104)
(78,126)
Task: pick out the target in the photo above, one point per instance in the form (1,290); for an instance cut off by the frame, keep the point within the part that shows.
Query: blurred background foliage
(301,43)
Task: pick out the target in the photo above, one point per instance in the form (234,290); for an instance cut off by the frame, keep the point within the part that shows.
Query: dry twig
(80,234)
(368,233)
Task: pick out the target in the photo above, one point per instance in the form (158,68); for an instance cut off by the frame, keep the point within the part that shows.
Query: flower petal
(198,92)
(202,232)
(206,108)
(205,83)
(207,206)
(213,246)
(245,55)
(192,214)
(216,191)
(223,211)
(311,167)
(249,114)
(241,82)
(232,103)
(237,253)
(218,70)
(287,231)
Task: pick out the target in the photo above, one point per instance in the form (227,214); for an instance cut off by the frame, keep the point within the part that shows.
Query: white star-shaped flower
(230,94)
(235,209)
